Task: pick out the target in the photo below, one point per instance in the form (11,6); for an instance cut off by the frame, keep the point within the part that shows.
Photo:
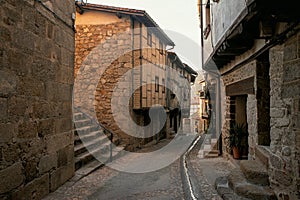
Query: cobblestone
(203,173)
(107,183)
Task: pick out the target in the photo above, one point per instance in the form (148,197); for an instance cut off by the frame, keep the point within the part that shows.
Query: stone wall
(103,56)
(285,119)
(36,77)
(246,71)
(257,103)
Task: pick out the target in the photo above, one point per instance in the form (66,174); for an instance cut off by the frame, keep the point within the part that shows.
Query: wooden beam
(243,87)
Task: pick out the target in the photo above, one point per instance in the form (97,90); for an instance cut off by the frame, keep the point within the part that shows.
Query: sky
(178,18)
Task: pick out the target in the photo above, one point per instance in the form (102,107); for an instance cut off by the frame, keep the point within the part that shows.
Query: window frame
(156,84)
(149,38)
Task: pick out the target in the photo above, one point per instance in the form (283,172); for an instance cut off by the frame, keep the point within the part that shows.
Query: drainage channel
(185,176)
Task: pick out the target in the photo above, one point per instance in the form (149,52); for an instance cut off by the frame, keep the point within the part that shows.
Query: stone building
(127,51)
(36,78)
(180,78)
(204,111)
(254,48)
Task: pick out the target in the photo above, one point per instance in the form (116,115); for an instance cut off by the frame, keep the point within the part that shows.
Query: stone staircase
(91,142)
(248,181)
(209,148)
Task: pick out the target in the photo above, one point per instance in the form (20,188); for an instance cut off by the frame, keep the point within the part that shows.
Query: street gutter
(187,182)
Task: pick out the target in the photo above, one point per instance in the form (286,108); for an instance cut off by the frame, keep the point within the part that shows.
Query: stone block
(282,177)
(8,132)
(43,69)
(62,158)
(51,90)
(36,189)
(255,172)
(9,182)
(23,40)
(5,35)
(31,87)
(11,153)
(3,108)
(11,17)
(47,163)
(61,175)
(64,75)
(8,82)
(65,56)
(45,127)
(65,109)
(27,130)
(290,51)
(58,141)
(288,90)
(277,112)
(63,125)
(31,169)
(43,110)
(64,92)
(291,71)
(19,62)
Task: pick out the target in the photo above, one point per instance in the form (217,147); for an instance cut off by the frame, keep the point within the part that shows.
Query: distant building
(204,109)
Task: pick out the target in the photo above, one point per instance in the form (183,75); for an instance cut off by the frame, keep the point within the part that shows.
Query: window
(149,39)
(161,48)
(156,84)
(164,87)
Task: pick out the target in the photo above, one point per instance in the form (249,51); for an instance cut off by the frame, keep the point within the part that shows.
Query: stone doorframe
(255,83)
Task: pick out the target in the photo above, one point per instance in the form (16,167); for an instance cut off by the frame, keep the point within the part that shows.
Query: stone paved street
(166,183)
(204,171)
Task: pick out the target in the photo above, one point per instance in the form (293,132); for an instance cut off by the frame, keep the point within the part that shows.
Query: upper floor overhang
(258,21)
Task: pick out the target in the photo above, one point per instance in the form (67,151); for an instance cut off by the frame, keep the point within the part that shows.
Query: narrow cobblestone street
(106,183)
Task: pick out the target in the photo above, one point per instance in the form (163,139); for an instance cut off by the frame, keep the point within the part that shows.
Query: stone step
(255,172)
(90,145)
(262,153)
(211,154)
(88,157)
(214,141)
(90,136)
(240,186)
(214,146)
(83,122)
(223,189)
(88,168)
(78,116)
(207,147)
(86,130)
(200,154)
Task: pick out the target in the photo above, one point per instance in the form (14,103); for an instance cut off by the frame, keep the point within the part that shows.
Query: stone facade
(36,77)
(236,76)
(92,41)
(285,135)
(120,68)
(110,46)
(261,79)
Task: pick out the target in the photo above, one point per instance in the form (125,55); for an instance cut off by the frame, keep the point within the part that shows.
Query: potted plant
(237,139)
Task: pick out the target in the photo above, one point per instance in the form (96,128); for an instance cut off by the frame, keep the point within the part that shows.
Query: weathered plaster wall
(36,77)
